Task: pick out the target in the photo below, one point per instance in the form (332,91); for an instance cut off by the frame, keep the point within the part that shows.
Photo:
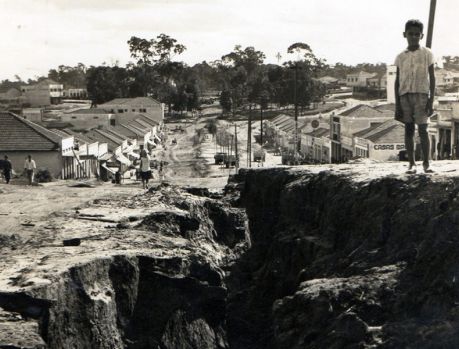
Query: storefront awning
(106,157)
(124,160)
(110,169)
(135,155)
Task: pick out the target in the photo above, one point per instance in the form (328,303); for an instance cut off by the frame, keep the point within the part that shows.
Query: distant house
(10,94)
(86,119)
(20,137)
(440,77)
(315,145)
(75,93)
(359,79)
(126,109)
(330,82)
(280,131)
(451,78)
(379,81)
(381,141)
(347,123)
(43,93)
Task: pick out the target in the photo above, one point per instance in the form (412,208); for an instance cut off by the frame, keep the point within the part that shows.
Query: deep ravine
(284,259)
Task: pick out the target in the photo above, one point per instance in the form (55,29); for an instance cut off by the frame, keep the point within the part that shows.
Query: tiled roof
(102,139)
(18,134)
(143,123)
(88,111)
(117,134)
(110,136)
(60,133)
(319,132)
(138,101)
(81,137)
(362,111)
(133,129)
(138,126)
(149,119)
(153,117)
(123,131)
(366,131)
(386,107)
(280,118)
(393,134)
(328,79)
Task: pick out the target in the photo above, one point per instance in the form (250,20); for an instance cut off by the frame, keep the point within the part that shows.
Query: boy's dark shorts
(145,175)
(414,108)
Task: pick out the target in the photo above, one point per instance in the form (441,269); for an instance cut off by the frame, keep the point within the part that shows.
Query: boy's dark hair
(414,23)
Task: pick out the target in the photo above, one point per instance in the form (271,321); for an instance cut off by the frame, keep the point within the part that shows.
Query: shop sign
(389,147)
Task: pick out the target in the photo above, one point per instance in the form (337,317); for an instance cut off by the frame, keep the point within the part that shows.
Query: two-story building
(43,93)
(86,119)
(127,109)
(359,79)
(347,123)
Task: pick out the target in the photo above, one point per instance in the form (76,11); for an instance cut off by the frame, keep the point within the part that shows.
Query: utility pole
(233,107)
(433,4)
(249,138)
(296,111)
(261,123)
(235,146)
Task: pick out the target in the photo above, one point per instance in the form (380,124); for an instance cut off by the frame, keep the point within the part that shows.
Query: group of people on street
(29,169)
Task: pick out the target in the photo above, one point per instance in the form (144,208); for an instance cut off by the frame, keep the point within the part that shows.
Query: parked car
(230,161)
(259,155)
(220,158)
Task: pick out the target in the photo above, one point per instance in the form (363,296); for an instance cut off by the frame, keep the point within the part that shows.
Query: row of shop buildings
(69,150)
(367,132)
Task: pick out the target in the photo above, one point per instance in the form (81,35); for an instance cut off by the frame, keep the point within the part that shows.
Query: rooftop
(138,101)
(365,111)
(18,134)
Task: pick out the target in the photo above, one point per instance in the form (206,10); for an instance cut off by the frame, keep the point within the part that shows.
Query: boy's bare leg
(425,145)
(409,145)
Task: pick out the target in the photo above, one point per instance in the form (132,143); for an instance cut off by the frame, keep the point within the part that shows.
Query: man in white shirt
(29,168)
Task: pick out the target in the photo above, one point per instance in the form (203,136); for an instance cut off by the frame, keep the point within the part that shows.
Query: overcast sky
(37,35)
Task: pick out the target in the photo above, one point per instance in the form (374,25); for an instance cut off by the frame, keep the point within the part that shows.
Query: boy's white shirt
(145,164)
(414,70)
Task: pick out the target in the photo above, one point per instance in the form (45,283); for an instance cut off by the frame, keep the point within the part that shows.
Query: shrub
(43,176)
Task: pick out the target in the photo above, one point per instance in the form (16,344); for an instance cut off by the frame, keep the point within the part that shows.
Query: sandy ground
(34,220)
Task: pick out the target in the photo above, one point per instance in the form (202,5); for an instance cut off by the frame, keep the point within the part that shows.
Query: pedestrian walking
(7,168)
(29,168)
(161,172)
(145,171)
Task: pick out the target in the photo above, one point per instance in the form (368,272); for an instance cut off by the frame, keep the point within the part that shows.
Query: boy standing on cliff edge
(414,92)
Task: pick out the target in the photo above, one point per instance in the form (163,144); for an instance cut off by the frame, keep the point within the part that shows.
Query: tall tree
(157,54)
(105,83)
(238,70)
(70,76)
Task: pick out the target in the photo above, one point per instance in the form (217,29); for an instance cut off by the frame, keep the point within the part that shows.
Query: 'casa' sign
(389,147)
